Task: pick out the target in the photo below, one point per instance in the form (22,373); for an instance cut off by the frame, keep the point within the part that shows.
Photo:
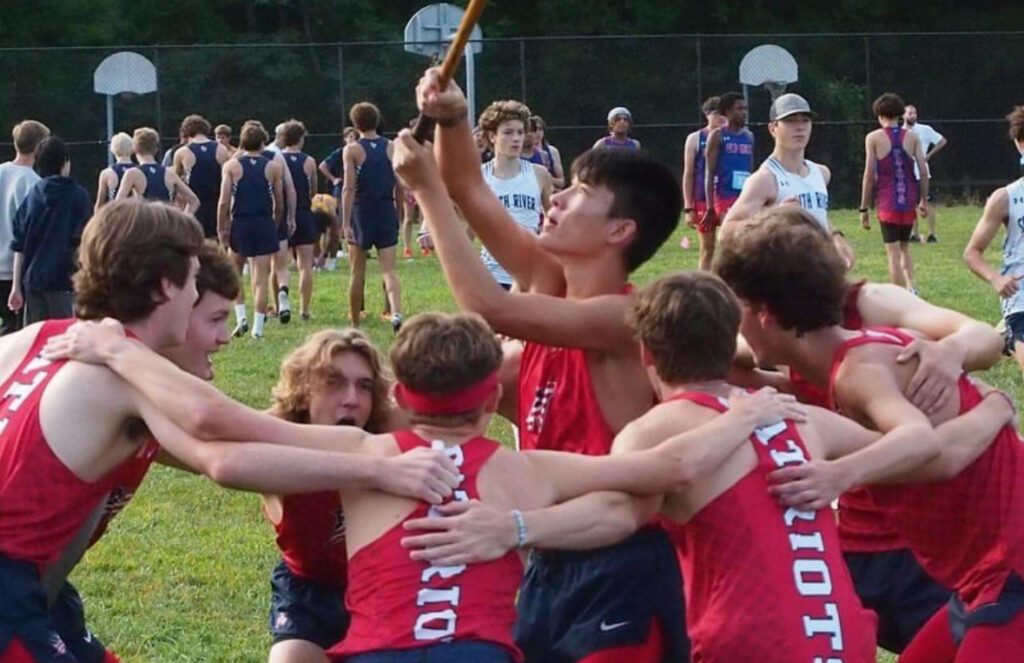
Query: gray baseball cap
(619,110)
(790,104)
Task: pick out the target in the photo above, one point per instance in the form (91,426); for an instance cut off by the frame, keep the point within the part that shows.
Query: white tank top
(1013,246)
(810,190)
(521,197)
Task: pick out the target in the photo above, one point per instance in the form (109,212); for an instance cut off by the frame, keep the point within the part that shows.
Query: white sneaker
(331,265)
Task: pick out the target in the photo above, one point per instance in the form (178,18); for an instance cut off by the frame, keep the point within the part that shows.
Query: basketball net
(775,88)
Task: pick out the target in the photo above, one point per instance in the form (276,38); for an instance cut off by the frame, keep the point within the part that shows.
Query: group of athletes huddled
(672,491)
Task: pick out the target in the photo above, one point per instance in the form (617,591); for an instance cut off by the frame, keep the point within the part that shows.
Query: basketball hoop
(771,66)
(775,88)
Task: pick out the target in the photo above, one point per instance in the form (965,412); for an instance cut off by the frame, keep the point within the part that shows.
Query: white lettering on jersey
(811,574)
(437,625)
(19,391)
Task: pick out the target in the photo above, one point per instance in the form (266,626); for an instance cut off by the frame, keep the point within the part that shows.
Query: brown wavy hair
(127,248)
(309,366)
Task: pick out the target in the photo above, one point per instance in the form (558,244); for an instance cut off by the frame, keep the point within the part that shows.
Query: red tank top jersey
(311,536)
(768,583)
(968,532)
(43,505)
(895,186)
(398,603)
(131,475)
(862,527)
(558,408)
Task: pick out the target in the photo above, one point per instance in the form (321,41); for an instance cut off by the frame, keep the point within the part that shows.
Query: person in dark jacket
(47,229)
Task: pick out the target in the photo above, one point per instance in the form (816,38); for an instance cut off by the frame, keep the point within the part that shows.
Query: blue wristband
(521,525)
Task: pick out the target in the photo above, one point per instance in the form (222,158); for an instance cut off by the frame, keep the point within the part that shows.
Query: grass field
(183,573)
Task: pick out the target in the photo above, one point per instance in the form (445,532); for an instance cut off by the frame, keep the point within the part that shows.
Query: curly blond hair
(309,366)
(500,112)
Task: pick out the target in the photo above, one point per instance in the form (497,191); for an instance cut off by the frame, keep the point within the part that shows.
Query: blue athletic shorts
(25,615)
(452,652)
(301,609)
(1009,604)
(375,224)
(894,585)
(573,604)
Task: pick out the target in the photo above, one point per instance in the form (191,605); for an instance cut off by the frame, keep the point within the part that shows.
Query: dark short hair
(51,155)
(784,261)
(217,273)
(128,248)
(365,116)
(728,100)
(1016,120)
(710,105)
(889,105)
(293,132)
(644,190)
(688,322)
(193,125)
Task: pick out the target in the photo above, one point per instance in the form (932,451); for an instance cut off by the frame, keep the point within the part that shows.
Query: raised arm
(595,323)
(815,484)
(908,441)
(646,463)
(518,252)
(957,342)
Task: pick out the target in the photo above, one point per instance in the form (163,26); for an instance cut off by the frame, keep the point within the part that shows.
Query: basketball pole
(110,127)
(424,126)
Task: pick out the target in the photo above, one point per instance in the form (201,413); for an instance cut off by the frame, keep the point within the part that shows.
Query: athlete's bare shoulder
(14,347)
(659,423)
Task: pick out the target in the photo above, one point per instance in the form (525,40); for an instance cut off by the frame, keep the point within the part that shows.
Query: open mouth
(347,421)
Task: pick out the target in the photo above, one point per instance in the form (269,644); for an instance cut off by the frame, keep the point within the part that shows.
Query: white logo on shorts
(611,627)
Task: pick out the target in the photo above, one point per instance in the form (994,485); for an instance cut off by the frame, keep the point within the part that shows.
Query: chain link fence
(960,82)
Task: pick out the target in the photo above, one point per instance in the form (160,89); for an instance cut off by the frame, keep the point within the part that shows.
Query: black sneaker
(914,237)
(396,321)
(241,329)
(932,239)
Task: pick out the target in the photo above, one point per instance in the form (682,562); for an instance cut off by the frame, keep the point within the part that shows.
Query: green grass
(183,573)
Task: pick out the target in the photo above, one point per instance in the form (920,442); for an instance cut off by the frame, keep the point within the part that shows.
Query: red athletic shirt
(43,505)
(862,527)
(558,409)
(311,536)
(131,475)
(399,603)
(768,583)
(968,532)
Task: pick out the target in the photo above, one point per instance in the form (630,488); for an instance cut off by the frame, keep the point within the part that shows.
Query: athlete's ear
(621,231)
(396,394)
(492,402)
(166,292)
